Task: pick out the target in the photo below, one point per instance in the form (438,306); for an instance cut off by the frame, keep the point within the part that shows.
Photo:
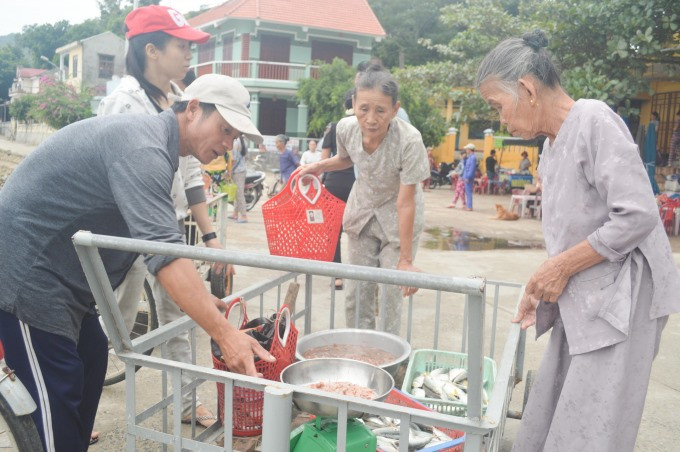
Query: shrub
(59,104)
(21,107)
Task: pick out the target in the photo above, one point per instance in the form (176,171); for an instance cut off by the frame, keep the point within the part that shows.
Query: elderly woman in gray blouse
(384,213)
(610,281)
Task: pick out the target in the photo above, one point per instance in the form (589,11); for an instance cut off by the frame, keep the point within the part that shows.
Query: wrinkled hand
(312,168)
(548,282)
(237,351)
(526,312)
(220,304)
(407,266)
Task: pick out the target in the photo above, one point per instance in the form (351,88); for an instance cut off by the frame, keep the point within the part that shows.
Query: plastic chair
(481,185)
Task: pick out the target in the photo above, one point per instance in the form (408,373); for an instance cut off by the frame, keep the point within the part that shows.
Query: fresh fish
(416,439)
(457,374)
(387,445)
(436,372)
(452,392)
(419,380)
(434,385)
(418,392)
(375,422)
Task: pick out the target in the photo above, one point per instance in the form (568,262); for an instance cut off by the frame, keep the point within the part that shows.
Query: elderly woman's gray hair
(515,58)
(375,76)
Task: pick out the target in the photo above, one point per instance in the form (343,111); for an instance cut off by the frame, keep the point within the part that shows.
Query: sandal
(206,420)
(94,438)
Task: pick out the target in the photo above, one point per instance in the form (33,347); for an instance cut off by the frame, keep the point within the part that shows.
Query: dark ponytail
(135,63)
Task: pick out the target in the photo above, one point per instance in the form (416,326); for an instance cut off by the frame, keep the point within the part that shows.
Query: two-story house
(92,61)
(27,81)
(271,44)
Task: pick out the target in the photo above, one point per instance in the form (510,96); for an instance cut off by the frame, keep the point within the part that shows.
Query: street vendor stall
(464,300)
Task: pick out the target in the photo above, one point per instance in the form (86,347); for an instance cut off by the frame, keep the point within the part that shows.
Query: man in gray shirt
(109,175)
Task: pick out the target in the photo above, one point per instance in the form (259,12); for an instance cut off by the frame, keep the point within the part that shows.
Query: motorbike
(442,176)
(16,405)
(253,188)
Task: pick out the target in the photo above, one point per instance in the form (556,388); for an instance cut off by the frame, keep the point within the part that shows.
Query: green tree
(21,107)
(42,40)
(406,22)
(10,57)
(603,47)
(423,110)
(324,94)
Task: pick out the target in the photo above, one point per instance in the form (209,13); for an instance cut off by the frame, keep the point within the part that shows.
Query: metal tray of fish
(438,379)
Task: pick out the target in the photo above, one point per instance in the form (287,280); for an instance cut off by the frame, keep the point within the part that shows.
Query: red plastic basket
(247,403)
(303,220)
(397,397)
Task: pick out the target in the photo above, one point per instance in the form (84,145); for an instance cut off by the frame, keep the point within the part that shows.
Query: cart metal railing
(483,428)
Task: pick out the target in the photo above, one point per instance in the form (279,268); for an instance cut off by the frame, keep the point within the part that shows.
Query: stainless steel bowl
(332,370)
(353,336)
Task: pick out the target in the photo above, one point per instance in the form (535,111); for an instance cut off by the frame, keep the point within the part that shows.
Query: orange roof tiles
(27,72)
(352,16)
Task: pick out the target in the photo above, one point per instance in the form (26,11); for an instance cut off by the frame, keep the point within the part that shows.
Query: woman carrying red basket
(384,213)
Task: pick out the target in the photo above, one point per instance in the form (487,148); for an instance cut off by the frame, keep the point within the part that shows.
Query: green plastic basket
(427,360)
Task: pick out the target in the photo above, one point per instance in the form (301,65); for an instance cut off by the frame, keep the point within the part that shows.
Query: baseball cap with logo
(162,18)
(230,97)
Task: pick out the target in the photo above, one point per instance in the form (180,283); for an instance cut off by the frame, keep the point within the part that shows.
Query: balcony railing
(291,72)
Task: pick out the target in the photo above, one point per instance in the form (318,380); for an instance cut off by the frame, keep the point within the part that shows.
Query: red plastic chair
(481,185)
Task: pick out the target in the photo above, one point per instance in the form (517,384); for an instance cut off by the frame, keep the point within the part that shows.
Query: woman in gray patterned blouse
(610,281)
(384,214)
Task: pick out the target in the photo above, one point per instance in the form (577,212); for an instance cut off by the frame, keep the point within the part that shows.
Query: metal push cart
(437,297)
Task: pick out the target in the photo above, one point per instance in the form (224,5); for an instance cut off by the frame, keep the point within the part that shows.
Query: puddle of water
(449,239)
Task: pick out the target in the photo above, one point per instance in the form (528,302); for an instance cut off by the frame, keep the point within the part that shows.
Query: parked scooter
(16,406)
(253,188)
(441,177)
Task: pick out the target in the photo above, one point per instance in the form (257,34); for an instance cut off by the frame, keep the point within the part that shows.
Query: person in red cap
(159,52)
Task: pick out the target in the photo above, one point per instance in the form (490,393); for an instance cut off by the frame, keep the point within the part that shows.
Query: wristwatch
(209,236)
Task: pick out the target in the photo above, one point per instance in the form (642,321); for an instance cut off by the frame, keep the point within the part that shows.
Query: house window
(106,66)
(75,66)
(326,51)
(206,54)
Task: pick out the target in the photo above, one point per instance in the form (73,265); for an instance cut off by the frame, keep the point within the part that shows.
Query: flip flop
(94,438)
(204,420)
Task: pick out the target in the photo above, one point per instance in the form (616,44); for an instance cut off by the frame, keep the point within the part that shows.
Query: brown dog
(503,214)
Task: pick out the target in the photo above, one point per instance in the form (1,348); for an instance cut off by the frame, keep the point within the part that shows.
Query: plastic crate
(427,360)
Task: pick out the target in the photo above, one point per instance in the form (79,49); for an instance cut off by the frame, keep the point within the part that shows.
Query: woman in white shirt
(311,155)
(159,52)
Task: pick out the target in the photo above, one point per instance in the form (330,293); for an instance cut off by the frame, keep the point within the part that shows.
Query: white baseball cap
(230,97)
(470,146)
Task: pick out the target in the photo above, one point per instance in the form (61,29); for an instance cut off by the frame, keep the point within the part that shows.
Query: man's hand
(526,313)
(409,267)
(548,282)
(238,350)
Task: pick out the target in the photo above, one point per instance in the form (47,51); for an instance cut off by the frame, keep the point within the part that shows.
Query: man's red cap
(162,18)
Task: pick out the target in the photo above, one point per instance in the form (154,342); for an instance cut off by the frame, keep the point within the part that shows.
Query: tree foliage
(10,58)
(20,108)
(405,22)
(424,111)
(324,95)
(603,47)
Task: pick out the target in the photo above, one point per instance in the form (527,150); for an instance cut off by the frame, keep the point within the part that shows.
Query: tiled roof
(27,72)
(352,16)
